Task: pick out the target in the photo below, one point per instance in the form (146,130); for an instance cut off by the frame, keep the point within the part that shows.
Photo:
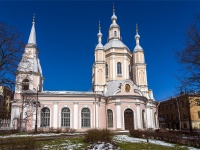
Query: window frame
(65,117)
(25,84)
(106,71)
(143,119)
(110,118)
(85,120)
(119,69)
(45,117)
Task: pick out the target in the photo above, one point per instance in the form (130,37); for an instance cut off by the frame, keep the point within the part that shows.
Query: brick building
(5,96)
(180,112)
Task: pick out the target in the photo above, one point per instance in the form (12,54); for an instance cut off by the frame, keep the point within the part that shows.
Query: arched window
(115,33)
(65,117)
(110,118)
(25,84)
(106,70)
(155,120)
(119,69)
(85,117)
(143,119)
(45,117)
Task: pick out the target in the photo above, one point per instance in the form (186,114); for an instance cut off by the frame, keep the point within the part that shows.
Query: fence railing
(4,124)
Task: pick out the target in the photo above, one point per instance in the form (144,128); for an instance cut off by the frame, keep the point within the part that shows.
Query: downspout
(179,115)
(95,112)
(106,100)
(157,124)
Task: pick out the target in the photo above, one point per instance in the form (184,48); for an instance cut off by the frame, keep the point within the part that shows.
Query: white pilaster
(34,118)
(148,117)
(125,68)
(152,116)
(97,116)
(55,114)
(138,115)
(75,115)
(118,109)
(113,67)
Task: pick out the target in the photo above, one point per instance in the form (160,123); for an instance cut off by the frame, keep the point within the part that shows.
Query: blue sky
(66,37)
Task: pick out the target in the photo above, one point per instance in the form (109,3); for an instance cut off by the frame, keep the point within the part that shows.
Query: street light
(37,103)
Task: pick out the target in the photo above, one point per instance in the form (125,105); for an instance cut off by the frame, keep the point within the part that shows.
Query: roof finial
(137,36)
(32,36)
(99,27)
(34,18)
(113,8)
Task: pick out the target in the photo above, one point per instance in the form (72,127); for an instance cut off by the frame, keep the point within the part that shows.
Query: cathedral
(120,99)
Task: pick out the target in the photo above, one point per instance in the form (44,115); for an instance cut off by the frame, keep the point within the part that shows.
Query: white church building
(120,99)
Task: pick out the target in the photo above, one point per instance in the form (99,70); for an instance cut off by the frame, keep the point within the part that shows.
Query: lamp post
(37,103)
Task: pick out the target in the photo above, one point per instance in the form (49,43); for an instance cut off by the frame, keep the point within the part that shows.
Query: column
(55,114)
(97,115)
(34,117)
(148,117)
(75,115)
(124,68)
(138,115)
(118,116)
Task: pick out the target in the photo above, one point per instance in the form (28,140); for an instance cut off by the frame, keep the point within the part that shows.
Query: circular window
(127,88)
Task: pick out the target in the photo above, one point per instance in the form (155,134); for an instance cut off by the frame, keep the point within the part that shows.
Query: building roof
(67,92)
(113,86)
(30,64)
(115,43)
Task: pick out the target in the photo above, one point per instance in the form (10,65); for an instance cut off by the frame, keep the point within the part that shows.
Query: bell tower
(114,30)
(139,66)
(29,72)
(98,70)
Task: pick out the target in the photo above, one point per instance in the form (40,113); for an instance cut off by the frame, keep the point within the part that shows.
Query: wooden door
(128,119)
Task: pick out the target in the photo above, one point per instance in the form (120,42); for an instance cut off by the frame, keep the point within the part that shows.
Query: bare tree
(189,57)
(11,48)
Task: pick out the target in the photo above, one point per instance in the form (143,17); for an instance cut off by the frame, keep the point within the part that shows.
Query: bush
(178,137)
(58,130)
(18,143)
(95,135)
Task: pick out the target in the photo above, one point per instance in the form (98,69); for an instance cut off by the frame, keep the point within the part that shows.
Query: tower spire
(114,17)
(137,36)
(32,36)
(99,35)
(113,8)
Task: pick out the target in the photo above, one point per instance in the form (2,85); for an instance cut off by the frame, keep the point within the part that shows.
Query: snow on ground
(117,138)
(67,145)
(126,138)
(37,135)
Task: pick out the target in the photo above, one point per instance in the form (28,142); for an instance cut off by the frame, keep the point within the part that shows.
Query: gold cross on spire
(136,28)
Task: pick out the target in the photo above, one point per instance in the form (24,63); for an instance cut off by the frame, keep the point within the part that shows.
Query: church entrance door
(128,119)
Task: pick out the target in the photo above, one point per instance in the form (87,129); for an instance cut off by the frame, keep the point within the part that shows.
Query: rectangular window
(184,115)
(175,105)
(198,102)
(199,114)
(183,103)
(184,125)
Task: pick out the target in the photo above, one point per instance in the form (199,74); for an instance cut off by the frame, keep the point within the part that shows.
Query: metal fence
(4,124)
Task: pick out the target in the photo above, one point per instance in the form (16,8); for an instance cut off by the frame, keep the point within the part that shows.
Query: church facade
(120,99)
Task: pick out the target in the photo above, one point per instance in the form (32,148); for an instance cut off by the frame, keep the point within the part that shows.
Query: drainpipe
(179,115)
(106,100)
(95,111)
(157,124)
